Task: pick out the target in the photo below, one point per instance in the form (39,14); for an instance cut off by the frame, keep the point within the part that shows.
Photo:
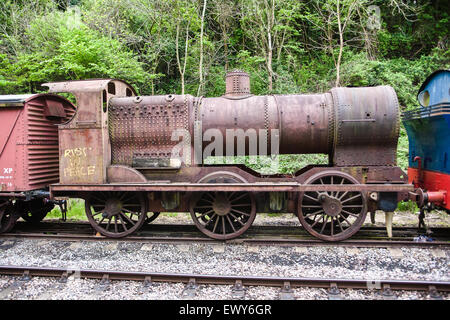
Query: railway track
(286,284)
(257,235)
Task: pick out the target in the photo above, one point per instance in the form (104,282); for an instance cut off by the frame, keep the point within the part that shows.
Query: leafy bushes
(63,48)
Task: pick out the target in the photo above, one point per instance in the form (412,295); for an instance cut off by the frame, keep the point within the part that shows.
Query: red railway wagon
(29,154)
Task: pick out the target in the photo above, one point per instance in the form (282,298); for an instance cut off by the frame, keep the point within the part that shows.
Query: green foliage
(404,75)
(75,211)
(62,48)
(285,163)
(135,40)
(408,206)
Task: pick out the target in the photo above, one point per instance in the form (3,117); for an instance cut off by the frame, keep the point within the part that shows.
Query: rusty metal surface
(304,123)
(92,85)
(254,187)
(119,173)
(85,150)
(367,126)
(237,84)
(81,156)
(142,127)
(358,125)
(29,141)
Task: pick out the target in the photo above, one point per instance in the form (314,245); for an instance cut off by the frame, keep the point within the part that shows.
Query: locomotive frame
(331,201)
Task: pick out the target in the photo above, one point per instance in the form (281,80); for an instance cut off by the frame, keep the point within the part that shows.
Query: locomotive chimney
(237,83)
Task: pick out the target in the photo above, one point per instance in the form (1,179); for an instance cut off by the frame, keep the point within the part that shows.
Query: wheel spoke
(311,206)
(131,205)
(314,199)
(349,213)
(241,212)
(338,193)
(349,224)
(97,197)
(202,207)
(223,225)
(349,199)
(237,219)
(339,222)
(129,211)
(97,213)
(123,223)
(215,224)
(212,218)
(315,222)
(205,200)
(231,223)
(345,193)
(210,195)
(126,217)
(325,219)
(332,225)
(314,213)
(230,195)
(238,198)
(205,213)
(109,223)
(242,205)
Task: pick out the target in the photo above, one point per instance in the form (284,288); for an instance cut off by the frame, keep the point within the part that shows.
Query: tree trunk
(200,67)
(270,22)
(341,46)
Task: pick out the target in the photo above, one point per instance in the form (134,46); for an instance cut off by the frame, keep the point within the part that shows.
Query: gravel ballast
(221,259)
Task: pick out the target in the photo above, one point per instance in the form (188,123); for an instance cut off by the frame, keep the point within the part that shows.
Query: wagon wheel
(8,217)
(116,214)
(223,215)
(35,210)
(151,216)
(332,215)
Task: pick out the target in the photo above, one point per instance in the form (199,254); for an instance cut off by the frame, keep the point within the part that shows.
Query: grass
(407,206)
(75,211)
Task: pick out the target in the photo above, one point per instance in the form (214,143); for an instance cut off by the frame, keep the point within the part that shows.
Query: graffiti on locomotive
(77,162)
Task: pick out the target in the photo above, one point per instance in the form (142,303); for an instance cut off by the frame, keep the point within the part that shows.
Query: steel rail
(260,242)
(260,235)
(416,285)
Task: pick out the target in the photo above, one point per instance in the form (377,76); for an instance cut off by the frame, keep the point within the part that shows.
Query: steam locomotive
(131,157)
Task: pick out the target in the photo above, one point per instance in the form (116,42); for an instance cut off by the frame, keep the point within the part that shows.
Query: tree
(223,14)
(200,65)
(267,23)
(61,51)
